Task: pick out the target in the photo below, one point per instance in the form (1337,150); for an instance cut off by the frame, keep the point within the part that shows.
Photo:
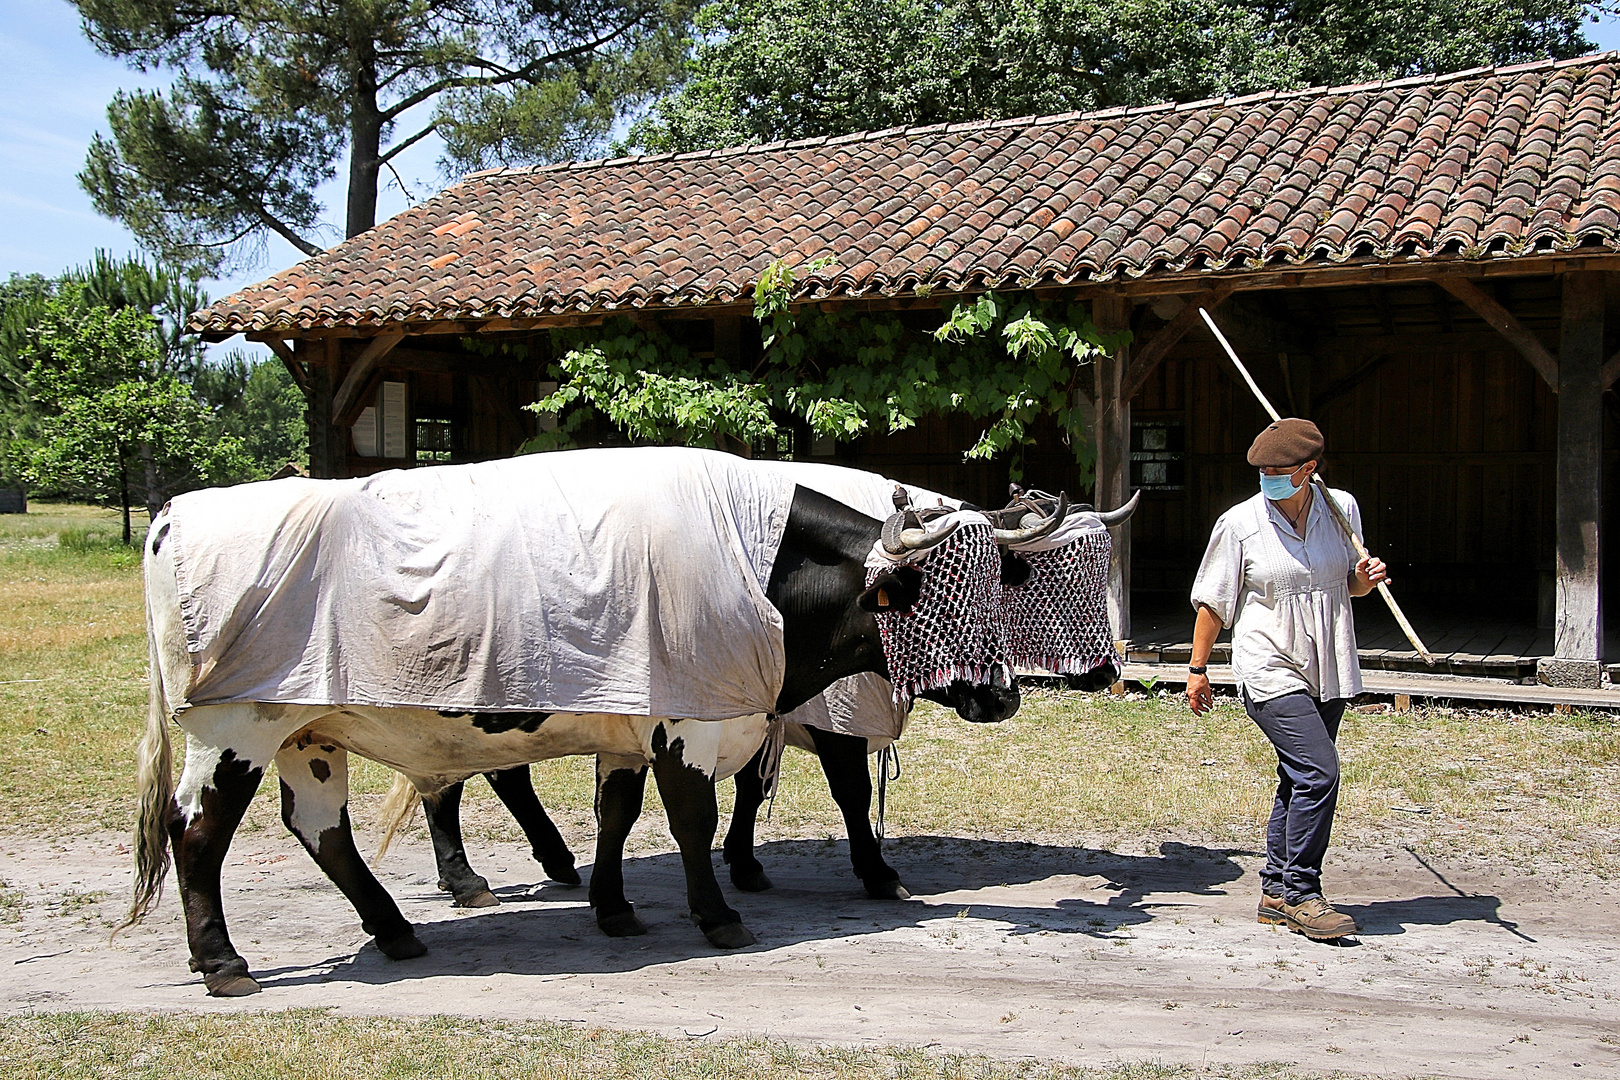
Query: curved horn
(1024,535)
(1123,514)
(897,540)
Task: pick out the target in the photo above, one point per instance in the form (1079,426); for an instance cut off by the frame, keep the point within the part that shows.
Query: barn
(1426,267)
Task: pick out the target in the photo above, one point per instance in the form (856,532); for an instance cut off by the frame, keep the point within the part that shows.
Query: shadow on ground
(547,930)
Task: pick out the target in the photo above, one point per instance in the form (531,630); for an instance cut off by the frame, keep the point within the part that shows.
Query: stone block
(1573,674)
(13,500)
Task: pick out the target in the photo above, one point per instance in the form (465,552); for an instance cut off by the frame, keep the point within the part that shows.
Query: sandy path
(1011,950)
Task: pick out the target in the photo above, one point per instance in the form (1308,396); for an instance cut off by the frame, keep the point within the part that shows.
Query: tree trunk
(154,497)
(123,493)
(365,139)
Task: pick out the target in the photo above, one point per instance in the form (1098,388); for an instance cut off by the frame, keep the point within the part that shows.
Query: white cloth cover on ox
(624,581)
(861,705)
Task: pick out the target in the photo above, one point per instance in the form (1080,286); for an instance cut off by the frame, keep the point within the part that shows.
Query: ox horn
(1041,527)
(1123,514)
(897,539)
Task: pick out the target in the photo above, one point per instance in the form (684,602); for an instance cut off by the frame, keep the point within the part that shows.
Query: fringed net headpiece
(1057,619)
(955,629)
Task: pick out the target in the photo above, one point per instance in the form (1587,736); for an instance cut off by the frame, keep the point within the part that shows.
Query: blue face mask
(1278,488)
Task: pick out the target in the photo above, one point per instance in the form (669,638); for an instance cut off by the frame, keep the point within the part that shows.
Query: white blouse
(1287,598)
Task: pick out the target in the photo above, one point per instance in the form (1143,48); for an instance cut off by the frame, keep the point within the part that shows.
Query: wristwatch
(1200,670)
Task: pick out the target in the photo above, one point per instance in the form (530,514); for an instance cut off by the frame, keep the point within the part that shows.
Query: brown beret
(1290,441)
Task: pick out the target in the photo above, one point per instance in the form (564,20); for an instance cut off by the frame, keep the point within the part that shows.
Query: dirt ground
(1007,949)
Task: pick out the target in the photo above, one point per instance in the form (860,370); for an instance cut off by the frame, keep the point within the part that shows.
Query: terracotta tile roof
(1486,164)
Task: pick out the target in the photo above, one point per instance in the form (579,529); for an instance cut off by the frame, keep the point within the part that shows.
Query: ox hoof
(621,924)
(563,873)
(750,879)
(223,984)
(887,890)
(402,948)
(482,898)
(730,936)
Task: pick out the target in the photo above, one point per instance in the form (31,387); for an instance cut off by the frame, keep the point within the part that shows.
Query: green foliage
(168,298)
(1004,360)
(273,95)
(257,402)
(108,418)
(763,70)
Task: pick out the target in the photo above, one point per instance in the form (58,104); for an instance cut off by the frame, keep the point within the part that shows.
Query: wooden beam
(1579,628)
(1337,389)
(1113,432)
(1502,320)
(367,396)
(1610,372)
(294,368)
(361,371)
(1156,348)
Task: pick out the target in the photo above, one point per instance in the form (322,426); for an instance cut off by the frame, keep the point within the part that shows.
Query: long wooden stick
(1321,489)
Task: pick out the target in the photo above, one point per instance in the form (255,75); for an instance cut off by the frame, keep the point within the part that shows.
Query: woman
(1281,572)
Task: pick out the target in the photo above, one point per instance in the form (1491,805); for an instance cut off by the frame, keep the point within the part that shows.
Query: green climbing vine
(1005,359)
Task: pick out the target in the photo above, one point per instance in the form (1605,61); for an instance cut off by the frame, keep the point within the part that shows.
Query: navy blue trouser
(1302,730)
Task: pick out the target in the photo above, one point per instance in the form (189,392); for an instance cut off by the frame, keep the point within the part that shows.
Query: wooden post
(1113,314)
(1579,630)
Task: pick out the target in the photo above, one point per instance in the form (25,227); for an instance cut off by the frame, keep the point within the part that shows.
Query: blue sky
(54,90)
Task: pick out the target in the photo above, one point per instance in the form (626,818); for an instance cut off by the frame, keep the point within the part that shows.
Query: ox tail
(156,783)
(398,808)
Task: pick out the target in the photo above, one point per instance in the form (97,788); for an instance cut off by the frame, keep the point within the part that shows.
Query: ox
(825,616)
(1028,519)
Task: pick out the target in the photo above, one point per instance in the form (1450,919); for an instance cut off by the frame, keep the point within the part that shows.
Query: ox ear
(1015,570)
(894,591)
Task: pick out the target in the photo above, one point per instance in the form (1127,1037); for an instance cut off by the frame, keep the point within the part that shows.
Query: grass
(1121,773)
(317,1044)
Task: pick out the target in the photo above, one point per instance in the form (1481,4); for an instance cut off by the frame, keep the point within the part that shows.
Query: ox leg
(747,873)
(621,784)
(694,817)
(315,807)
(843,760)
(213,794)
(456,875)
(515,789)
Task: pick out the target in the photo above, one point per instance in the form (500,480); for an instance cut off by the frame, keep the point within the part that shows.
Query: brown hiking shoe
(1316,919)
(1270,911)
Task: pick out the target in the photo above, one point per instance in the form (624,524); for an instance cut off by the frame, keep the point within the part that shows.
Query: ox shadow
(549,930)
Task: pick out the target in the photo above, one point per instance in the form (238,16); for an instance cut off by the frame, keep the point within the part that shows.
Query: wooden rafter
(1341,387)
(294,368)
(361,371)
(1156,348)
(1610,372)
(1502,320)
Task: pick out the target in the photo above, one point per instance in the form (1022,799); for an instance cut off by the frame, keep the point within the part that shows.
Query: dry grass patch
(315,1044)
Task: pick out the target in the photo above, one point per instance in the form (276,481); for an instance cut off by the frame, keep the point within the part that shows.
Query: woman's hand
(1370,573)
(1200,698)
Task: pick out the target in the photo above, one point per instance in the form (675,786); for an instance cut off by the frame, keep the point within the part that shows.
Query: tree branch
(525,73)
(393,151)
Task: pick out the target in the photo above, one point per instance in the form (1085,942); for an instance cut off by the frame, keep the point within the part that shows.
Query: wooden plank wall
(1448,445)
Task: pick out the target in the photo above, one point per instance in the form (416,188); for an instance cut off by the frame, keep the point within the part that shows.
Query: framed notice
(392,434)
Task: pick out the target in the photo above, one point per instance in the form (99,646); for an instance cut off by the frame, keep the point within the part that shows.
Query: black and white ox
(1029,518)
(829,605)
